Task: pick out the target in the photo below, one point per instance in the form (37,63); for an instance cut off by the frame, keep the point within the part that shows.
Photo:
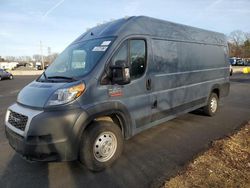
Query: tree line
(35,58)
(239,44)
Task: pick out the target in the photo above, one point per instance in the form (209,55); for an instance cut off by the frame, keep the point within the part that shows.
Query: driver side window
(132,52)
(137,58)
(121,55)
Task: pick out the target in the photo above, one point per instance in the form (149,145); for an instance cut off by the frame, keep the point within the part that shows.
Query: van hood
(36,94)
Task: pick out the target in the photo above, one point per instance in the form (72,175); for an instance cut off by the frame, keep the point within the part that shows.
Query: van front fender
(103,109)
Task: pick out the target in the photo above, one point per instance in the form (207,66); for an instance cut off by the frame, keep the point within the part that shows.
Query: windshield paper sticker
(106,43)
(100,48)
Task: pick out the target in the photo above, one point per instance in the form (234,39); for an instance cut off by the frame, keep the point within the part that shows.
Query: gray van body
(184,65)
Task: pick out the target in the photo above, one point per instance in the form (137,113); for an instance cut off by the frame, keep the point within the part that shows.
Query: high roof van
(114,81)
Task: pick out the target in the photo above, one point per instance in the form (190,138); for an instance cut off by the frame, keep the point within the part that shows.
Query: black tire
(11,77)
(90,138)
(0,78)
(209,109)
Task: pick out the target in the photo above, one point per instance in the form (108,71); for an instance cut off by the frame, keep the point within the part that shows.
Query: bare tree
(54,56)
(236,40)
(247,48)
(237,37)
(10,58)
(37,57)
(247,35)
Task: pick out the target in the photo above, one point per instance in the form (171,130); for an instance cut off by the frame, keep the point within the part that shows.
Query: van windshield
(77,60)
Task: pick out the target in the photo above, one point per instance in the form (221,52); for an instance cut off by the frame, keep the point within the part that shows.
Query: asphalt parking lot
(148,158)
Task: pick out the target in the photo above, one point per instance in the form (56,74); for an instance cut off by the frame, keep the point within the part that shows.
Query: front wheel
(101,145)
(11,77)
(212,106)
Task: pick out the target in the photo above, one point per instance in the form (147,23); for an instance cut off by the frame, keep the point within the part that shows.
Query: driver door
(135,95)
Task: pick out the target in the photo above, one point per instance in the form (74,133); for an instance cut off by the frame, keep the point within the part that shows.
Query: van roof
(143,25)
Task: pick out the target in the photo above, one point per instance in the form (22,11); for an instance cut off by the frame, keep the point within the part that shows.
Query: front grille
(18,120)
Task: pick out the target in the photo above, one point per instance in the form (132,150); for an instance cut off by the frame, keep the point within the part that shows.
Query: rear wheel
(101,145)
(212,107)
(11,77)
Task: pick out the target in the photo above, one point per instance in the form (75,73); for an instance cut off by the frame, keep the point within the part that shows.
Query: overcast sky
(23,23)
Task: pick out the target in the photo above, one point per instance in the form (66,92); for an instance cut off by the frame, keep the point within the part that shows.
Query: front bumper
(47,136)
(36,152)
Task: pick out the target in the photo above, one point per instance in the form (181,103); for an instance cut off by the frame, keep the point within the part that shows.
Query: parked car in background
(39,66)
(232,61)
(46,66)
(240,62)
(5,75)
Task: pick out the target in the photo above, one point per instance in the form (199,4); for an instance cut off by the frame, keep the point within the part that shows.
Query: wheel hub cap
(213,104)
(105,146)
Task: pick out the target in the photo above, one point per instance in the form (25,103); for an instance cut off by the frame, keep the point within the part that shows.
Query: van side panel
(183,75)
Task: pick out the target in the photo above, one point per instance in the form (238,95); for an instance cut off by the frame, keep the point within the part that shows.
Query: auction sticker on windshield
(100,48)
(106,43)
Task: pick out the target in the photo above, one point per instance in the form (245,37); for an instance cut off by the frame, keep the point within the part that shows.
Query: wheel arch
(110,111)
(215,89)
(116,116)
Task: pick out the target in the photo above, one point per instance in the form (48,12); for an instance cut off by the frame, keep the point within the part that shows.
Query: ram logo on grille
(17,120)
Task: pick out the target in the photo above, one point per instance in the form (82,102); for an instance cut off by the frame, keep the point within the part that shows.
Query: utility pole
(41,48)
(49,53)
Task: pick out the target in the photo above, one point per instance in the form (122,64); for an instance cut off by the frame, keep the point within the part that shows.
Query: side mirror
(120,73)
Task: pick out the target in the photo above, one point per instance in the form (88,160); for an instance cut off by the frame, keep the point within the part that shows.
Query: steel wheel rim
(105,146)
(213,104)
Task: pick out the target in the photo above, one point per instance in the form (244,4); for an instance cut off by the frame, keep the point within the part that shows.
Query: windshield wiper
(62,77)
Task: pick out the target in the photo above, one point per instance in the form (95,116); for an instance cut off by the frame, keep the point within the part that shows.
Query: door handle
(148,84)
(155,104)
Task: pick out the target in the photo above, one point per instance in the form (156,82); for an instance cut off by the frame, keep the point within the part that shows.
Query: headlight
(65,95)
